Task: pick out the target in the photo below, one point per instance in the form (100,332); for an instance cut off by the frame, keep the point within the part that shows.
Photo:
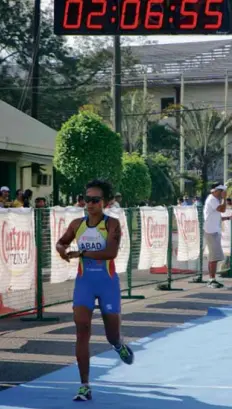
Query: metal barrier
(46,291)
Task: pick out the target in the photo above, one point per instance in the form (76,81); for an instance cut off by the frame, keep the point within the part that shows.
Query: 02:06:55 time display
(153,19)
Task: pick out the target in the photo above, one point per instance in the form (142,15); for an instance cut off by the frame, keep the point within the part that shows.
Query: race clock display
(142,17)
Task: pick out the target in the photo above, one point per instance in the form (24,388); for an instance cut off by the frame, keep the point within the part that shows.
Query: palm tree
(136,114)
(204,130)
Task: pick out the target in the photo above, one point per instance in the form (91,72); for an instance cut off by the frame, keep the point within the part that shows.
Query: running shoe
(126,354)
(83,394)
(215,284)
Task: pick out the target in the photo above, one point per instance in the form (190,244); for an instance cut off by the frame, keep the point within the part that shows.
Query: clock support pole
(35,60)
(117,85)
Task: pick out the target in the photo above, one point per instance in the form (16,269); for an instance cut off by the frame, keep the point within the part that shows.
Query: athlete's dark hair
(104,185)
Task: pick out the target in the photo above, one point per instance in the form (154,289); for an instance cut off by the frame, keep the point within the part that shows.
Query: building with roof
(26,152)
(205,69)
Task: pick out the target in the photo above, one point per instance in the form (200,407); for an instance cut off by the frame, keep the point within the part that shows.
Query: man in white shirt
(215,204)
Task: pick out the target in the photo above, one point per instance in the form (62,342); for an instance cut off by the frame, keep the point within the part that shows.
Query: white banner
(60,218)
(154,237)
(188,233)
(17,249)
(226,233)
(124,251)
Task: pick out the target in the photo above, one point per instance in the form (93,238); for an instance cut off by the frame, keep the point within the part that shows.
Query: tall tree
(204,130)
(136,179)
(66,72)
(164,179)
(87,149)
(162,138)
(137,111)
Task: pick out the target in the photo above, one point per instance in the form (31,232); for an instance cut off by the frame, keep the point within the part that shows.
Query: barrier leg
(199,277)
(230,271)
(168,286)
(39,276)
(129,295)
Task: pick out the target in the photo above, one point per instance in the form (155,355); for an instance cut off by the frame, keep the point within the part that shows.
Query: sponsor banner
(226,232)
(17,249)
(60,218)
(179,267)
(188,233)
(17,259)
(122,259)
(154,237)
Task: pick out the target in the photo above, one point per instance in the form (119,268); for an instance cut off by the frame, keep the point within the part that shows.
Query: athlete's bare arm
(67,238)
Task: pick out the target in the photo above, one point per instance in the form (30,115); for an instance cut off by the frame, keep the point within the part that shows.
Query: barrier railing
(158,246)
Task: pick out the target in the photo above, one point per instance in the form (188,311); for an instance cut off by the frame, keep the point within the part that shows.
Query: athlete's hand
(73,254)
(62,252)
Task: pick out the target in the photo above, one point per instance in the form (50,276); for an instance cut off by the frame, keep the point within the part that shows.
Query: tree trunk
(204,177)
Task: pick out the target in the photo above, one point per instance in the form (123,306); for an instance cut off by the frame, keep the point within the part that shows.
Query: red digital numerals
(77,24)
(193,15)
(213,13)
(132,26)
(90,24)
(79,11)
(153,19)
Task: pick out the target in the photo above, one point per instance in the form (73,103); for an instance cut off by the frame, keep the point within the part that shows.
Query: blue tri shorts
(99,285)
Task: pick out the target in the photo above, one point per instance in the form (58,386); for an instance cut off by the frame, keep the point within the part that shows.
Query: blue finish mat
(189,367)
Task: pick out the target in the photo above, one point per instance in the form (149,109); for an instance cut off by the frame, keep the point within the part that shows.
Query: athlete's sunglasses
(93,199)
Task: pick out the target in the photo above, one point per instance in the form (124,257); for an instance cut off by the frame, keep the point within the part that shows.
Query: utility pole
(117,84)
(226,135)
(35,60)
(182,144)
(145,114)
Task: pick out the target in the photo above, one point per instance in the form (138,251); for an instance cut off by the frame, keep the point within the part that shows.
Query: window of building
(41,179)
(166,102)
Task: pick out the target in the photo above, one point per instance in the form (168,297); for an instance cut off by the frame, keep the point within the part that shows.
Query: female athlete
(98,238)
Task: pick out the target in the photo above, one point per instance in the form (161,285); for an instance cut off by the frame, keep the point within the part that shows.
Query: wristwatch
(82,252)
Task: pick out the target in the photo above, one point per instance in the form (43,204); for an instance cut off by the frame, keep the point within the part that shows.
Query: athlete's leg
(110,305)
(82,319)
(112,323)
(83,305)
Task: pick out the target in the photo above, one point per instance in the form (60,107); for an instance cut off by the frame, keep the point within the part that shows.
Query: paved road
(31,349)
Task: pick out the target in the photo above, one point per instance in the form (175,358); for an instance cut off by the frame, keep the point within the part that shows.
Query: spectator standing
(180,201)
(5,197)
(27,198)
(80,201)
(197,201)
(215,204)
(229,203)
(18,202)
(40,202)
(118,200)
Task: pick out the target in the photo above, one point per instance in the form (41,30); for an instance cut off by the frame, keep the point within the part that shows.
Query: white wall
(209,94)
(26,182)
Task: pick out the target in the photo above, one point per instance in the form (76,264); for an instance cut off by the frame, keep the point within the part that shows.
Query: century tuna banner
(17,260)
(188,233)
(60,218)
(17,249)
(154,237)
(226,232)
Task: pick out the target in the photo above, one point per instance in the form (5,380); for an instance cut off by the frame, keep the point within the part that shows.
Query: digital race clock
(146,17)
